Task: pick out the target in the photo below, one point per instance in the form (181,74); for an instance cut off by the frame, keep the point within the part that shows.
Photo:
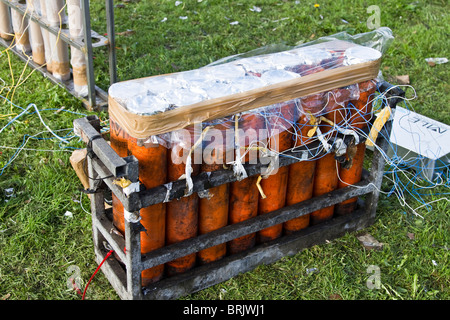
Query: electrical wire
(95,272)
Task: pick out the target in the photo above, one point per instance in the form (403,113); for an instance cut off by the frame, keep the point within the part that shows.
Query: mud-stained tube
(301,174)
(152,172)
(361,109)
(60,50)
(326,175)
(325,180)
(214,203)
(335,110)
(6,31)
(182,214)
(349,174)
(244,194)
(274,186)
(36,40)
(119,143)
(22,38)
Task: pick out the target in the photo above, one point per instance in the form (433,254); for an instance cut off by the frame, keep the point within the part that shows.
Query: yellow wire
(14,43)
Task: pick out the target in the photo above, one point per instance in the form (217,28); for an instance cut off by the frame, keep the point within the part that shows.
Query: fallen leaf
(369,242)
(6,296)
(403,79)
(335,296)
(410,235)
(126,33)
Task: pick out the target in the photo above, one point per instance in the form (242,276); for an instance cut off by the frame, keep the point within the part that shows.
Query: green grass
(38,243)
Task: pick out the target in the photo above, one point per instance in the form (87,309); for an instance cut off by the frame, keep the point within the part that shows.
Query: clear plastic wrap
(250,127)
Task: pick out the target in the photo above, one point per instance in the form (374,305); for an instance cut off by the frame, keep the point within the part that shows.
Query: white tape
(349,132)
(340,147)
(273,164)
(189,182)
(325,144)
(169,187)
(239,170)
(133,187)
(131,216)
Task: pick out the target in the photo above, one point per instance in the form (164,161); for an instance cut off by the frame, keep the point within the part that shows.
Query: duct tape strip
(143,126)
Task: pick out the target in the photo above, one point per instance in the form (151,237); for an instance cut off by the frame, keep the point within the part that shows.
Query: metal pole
(88,52)
(112,41)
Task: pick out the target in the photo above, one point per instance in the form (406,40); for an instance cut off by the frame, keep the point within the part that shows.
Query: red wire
(96,270)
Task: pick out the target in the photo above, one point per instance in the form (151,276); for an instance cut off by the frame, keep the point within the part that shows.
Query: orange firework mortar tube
(152,172)
(182,214)
(360,114)
(213,207)
(301,174)
(244,194)
(274,186)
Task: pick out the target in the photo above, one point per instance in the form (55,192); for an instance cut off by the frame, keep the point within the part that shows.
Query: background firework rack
(97,98)
(103,161)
